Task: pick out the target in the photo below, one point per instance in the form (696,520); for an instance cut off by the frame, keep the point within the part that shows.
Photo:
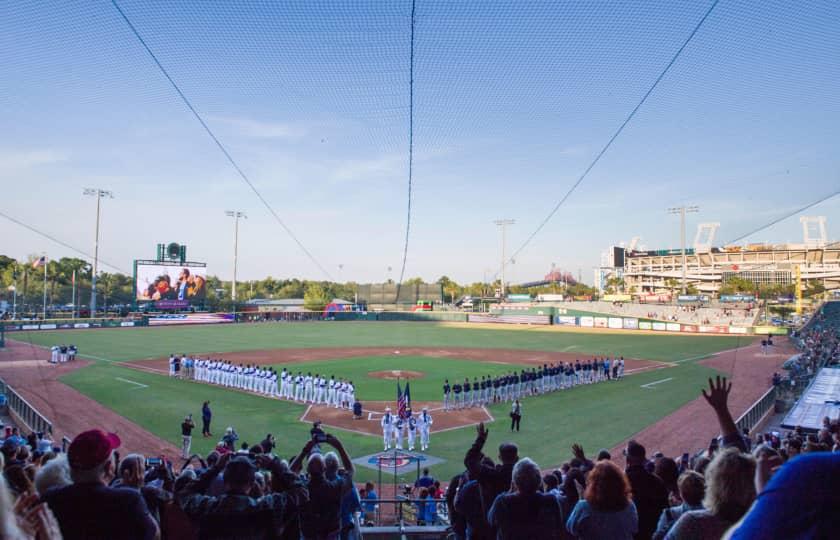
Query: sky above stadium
(513,100)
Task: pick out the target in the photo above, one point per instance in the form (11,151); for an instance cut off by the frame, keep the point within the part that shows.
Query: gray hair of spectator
(730,490)
(131,463)
(91,476)
(526,476)
(315,466)
(56,473)
(331,461)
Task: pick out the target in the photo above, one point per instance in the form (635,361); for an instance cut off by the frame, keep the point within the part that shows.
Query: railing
(25,412)
(757,410)
(401,511)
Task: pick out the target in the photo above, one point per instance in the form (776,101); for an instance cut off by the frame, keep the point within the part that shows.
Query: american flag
(403,400)
(40,261)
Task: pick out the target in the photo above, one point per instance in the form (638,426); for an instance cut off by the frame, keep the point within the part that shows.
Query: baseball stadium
(225,338)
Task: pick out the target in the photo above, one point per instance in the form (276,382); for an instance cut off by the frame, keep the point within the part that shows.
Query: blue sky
(512,102)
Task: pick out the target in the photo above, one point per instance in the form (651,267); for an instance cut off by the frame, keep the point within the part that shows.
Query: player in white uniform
(273,387)
(351,395)
(171,365)
(424,424)
(320,384)
(284,384)
(299,387)
(54,354)
(331,391)
(387,423)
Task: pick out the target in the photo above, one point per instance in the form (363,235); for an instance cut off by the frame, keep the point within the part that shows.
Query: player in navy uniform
(476,396)
(446,394)
(456,390)
(466,395)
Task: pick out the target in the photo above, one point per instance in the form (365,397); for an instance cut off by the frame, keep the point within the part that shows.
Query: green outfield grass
(597,416)
(155,342)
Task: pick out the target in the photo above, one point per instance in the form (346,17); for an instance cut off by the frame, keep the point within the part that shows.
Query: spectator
(426,513)
(729,493)
(235,514)
(206,417)
(186,436)
(570,491)
(492,479)
(456,518)
(666,470)
(524,512)
(692,487)
(320,516)
(469,505)
(424,481)
(54,474)
(229,439)
(370,504)
(649,493)
(606,509)
(132,475)
(88,508)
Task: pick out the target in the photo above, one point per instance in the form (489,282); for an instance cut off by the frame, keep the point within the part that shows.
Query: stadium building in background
(647,272)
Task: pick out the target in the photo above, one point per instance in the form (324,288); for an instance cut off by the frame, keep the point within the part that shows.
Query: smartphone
(153,462)
(320,437)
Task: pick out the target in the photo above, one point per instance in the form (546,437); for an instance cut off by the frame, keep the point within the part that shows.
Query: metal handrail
(29,415)
(757,410)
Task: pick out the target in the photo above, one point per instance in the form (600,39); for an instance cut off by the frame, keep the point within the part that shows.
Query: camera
(317,433)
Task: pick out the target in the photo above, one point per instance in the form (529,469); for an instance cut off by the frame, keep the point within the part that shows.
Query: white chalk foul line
(654,383)
(139,385)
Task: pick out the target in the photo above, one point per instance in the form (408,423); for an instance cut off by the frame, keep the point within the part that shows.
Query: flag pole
(45,288)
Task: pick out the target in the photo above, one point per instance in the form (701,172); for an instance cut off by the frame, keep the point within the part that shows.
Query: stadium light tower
(503,223)
(235,214)
(99,194)
(682,211)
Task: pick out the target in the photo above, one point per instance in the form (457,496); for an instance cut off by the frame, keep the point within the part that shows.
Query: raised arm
(297,463)
(717,398)
(472,461)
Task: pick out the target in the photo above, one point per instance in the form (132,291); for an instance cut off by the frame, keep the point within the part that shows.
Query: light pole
(682,210)
(235,214)
(503,223)
(99,194)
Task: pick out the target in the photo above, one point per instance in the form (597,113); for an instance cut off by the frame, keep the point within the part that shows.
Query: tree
(691,288)
(315,298)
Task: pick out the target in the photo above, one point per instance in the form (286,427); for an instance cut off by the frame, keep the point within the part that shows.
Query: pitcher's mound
(394,374)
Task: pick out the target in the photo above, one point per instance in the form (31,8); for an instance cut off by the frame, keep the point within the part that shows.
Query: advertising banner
(737,298)
(689,328)
(587,321)
(614,322)
(172,304)
(714,329)
(631,324)
(737,330)
(600,322)
(191,318)
(565,320)
(159,282)
(127,323)
(683,298)
(616,298)
(659,326)
(672,327)
(774,330)
(645,325)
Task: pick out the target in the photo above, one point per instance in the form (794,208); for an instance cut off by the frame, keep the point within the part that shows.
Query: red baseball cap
(91,448)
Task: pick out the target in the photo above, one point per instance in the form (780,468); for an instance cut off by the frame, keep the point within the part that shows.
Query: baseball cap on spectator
(635,450)
(603,454)
(91,448)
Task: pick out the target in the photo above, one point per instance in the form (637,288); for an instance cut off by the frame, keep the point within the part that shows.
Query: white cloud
(360,169)
(17,160)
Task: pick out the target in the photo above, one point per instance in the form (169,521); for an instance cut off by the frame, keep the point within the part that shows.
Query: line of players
(394,427)
(530,382)
(264,380)
(62,353)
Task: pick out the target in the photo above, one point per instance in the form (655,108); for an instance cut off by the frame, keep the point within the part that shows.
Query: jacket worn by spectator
(93,510)
(515,516)
(321,515)
(650,498)
(468,507)
(233,515)
(492,479)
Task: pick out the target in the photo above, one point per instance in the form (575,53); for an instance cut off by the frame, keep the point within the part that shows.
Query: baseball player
(466,395)
(410,428)
(425,422)
(72,350)
(54,354)
(273,388)
(331,392)
(171,365)
(456,392)
(299,387)
(446,394)
(351,395)
(322,390)
(307,387)
(475,394)
(387,423)
(621,367)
